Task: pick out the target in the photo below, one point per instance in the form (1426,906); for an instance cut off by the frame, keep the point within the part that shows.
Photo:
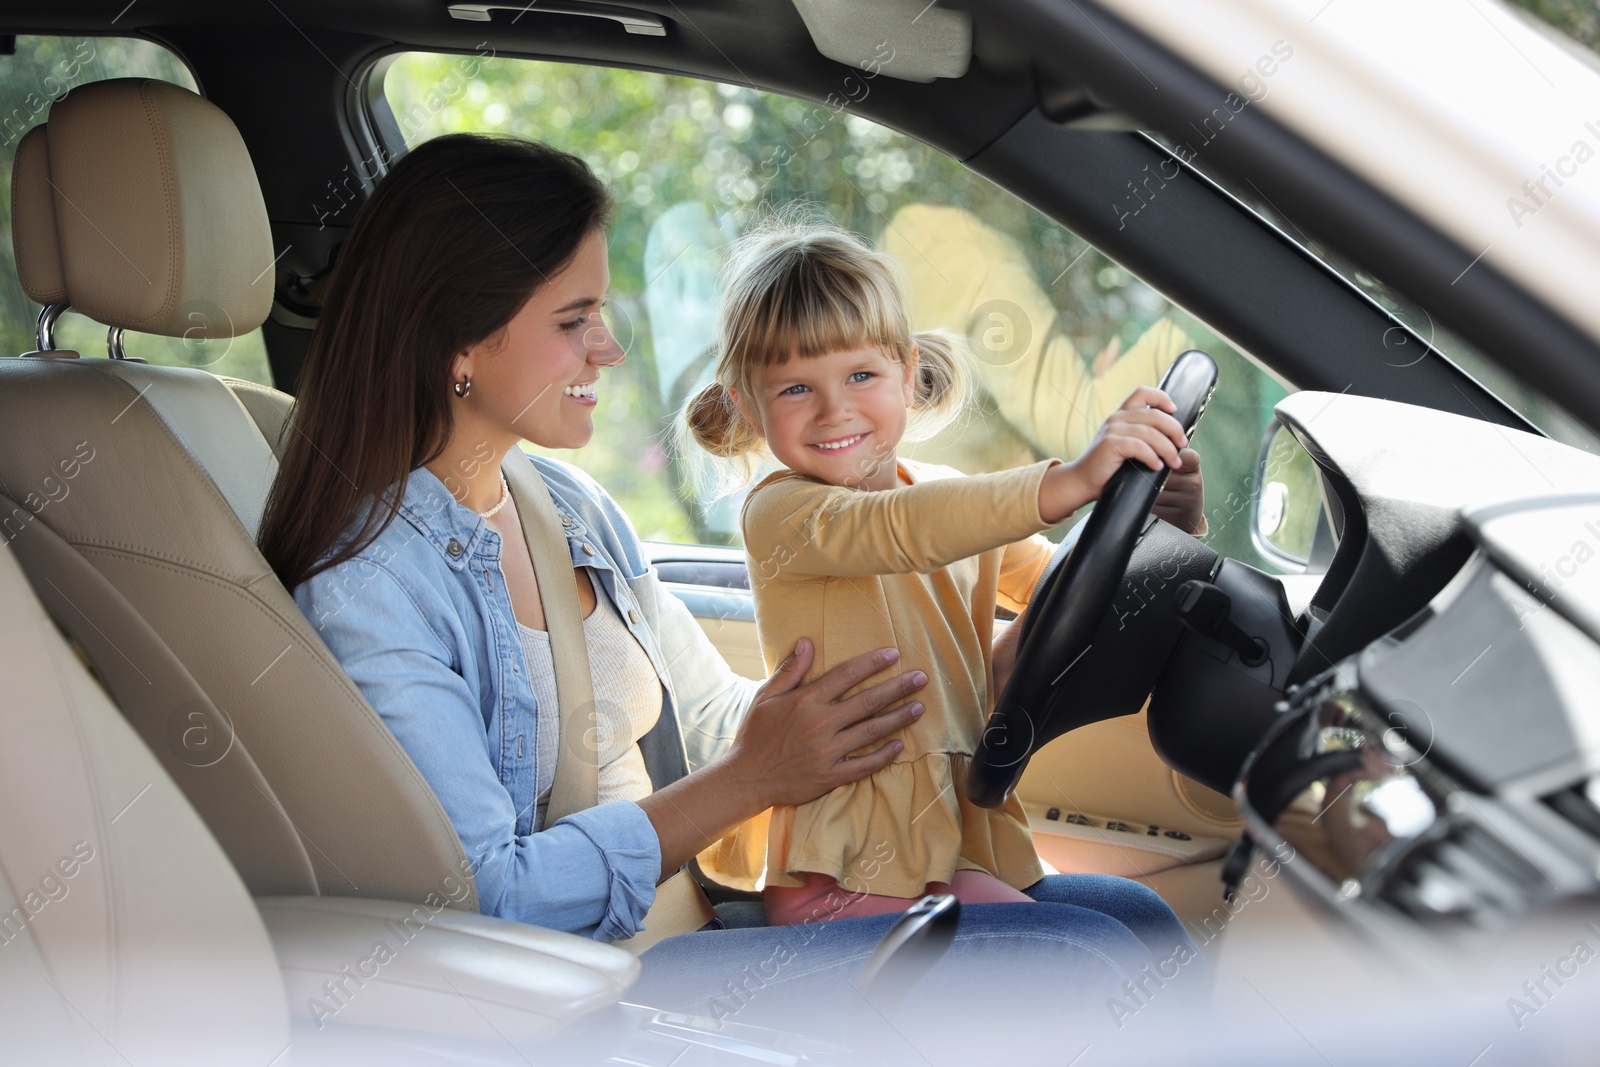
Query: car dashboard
(1435,766)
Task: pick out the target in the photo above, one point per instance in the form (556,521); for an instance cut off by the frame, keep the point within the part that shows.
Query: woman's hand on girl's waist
(796,742)
(793,746)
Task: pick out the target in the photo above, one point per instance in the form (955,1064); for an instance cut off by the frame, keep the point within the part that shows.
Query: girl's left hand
(1183,499)
(1004,655)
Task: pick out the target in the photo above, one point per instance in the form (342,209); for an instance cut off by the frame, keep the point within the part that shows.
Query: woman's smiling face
(537,378)
(837,417)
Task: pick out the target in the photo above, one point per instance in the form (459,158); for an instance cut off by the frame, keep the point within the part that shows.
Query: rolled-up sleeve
(590,873)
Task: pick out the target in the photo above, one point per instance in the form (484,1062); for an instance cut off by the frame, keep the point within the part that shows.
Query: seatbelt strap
(681,906)
(576,785)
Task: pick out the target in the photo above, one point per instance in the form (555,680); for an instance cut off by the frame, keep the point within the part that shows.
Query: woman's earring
(463,387)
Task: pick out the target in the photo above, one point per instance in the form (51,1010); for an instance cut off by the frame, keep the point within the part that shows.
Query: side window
(1062,333)
(41,71)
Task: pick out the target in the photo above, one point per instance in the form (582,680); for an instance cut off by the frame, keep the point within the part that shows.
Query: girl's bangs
(824,312)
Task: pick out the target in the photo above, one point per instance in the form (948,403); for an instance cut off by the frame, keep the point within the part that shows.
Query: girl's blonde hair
(795,288)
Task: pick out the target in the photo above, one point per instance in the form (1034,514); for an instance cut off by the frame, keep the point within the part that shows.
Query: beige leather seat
(126,936)
(132,494)
(152,481)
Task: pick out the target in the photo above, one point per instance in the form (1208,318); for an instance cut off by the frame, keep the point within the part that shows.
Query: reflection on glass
(1288,502)
(1368,795)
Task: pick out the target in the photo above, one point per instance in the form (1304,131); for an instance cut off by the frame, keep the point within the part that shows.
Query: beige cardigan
(919,568)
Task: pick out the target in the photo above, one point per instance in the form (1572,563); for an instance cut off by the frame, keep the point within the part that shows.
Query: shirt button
(454,547)
(565,521)
(588,551)
(633,616)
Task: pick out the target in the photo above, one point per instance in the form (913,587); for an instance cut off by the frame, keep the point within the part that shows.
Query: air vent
(1469,877)
(1577,806)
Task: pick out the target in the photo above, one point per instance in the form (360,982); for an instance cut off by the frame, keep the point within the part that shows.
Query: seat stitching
(163,161)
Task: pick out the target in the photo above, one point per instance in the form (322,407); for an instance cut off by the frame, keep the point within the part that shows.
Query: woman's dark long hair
(452,243)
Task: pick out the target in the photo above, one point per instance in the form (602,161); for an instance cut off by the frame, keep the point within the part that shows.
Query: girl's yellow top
(919,568)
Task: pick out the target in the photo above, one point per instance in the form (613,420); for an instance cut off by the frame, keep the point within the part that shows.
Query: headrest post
(45,332)
(114,343)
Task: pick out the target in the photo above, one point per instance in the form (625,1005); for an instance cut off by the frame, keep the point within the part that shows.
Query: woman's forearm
(696,810)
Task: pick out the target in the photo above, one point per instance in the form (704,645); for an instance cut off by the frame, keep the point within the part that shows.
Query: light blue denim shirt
(422,622)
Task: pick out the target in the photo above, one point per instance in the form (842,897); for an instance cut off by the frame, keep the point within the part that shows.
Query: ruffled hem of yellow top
(889,834)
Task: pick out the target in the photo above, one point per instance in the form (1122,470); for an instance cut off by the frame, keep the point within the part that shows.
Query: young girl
(858,549)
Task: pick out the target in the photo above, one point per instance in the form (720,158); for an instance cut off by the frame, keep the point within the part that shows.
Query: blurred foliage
(1578,19)
(660,141)
(44,69)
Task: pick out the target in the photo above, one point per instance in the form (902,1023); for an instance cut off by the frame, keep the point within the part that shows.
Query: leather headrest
(158,212)
(33,221)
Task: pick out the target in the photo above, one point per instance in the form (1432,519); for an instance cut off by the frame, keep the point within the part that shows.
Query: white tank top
(627,696)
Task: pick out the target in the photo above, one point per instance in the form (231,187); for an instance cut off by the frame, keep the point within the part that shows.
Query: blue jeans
(1135,906)
(1030,965)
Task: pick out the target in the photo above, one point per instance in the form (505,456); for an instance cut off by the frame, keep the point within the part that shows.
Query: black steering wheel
(1072,603)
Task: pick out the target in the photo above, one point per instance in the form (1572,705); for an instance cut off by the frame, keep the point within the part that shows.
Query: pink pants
(822,898)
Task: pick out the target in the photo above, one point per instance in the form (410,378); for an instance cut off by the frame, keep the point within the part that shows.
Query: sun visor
(921,42)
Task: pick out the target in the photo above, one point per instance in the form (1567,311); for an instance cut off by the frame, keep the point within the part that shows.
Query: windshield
(1484,105)
(1438,342)
(1576,25)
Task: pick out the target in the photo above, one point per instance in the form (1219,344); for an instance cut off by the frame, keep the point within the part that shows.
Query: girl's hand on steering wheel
(1183,499)
(795,742)
(1142,430)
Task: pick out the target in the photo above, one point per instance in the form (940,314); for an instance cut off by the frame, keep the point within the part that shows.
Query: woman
(464,315)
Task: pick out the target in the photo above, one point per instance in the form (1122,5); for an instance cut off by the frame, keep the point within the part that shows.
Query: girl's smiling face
(837,417)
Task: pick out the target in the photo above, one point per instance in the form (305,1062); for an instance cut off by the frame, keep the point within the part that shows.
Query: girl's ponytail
(944,382)
(715,423)
(729,451)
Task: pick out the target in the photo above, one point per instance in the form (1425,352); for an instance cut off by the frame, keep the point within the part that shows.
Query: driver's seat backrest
(157,477)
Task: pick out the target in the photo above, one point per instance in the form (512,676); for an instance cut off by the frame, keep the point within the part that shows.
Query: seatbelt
(680,906)
(576,786)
